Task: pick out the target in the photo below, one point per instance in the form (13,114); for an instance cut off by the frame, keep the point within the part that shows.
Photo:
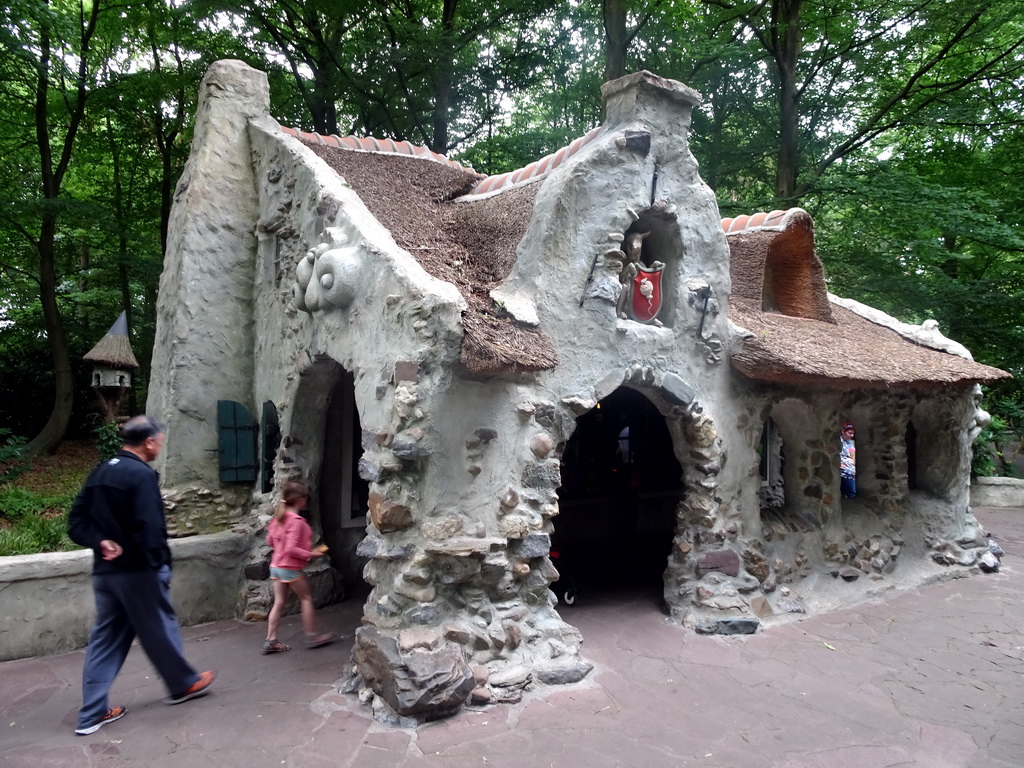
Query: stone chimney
(203,350)
(647,98)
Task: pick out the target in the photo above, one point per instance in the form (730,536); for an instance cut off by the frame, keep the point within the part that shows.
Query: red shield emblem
(645,293)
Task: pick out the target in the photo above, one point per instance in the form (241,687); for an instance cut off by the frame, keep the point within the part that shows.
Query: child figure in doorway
(847,462)
(291,539)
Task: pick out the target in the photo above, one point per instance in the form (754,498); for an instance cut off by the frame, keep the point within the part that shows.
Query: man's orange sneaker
(112,714)
(199,688)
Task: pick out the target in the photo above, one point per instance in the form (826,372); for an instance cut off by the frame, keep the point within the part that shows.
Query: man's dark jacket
(121,501)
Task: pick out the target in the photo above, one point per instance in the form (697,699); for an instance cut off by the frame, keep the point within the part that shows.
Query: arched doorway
(621,485)
(326,437)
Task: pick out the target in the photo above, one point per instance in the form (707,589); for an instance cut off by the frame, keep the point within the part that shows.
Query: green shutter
(236,443)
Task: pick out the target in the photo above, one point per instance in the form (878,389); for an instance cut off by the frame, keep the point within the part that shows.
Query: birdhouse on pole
(113,362)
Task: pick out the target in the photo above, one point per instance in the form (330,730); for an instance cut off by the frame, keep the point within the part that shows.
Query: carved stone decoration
(980,419)
(711,349)
(640,299)
(640,294)
(329,275)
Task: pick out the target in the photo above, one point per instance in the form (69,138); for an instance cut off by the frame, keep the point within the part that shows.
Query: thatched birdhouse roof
(114,349)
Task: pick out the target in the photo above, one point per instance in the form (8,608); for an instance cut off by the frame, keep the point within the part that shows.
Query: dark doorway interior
(343,494)
(621,484)
(910,440)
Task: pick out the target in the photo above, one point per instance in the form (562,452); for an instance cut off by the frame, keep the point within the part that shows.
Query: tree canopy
(897,124)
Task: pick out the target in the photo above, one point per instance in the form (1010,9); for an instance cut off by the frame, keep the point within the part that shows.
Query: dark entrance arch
(326,436)
(343,494)
(621,485)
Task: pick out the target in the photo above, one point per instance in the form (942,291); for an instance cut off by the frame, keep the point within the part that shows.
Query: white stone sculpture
(329,276)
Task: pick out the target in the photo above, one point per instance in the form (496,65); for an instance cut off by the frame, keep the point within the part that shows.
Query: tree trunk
(53,431)
(322,106)
(615,39)
(786,39)
(51,177)
(443,88)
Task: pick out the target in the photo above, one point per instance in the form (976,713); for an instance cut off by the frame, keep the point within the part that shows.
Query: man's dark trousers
(131,603)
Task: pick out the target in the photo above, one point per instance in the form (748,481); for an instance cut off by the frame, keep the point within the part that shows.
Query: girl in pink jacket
(291,539)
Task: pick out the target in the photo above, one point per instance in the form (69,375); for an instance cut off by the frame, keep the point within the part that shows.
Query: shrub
(35,523)
(13,460)
(108,439)
(16,503)
(37,533)
(988,459)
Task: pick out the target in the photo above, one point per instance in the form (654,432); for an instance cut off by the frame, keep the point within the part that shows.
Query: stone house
(467,369)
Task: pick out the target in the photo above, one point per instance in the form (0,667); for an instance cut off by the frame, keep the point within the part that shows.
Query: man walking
(119,514)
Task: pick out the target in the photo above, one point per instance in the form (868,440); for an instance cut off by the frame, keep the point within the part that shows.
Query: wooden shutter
(236,443)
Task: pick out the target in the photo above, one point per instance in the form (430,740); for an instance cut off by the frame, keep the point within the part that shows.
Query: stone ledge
(997,492)
(48,601)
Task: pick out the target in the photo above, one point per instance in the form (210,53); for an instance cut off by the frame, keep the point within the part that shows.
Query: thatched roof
(114,349)
(470,244)
(851,352)
(798,337)
(778,281)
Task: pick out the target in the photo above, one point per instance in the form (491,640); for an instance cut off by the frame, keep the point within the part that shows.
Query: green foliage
(33,534)
(905,125)
(17,503)
(12,456)
(108,439)
(508,151)
(988,459)
(1001,442)
(31,523)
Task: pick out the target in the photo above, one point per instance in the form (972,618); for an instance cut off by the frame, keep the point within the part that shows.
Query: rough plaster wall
(417,314)
(203,346)
(303,204)
(817,531)
(480,466)
(579,206)
(306,204)
(944,464)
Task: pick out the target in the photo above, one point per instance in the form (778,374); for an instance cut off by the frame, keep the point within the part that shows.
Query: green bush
(34,523)
(108,439)
(13,460)
(37,533)
(16,503)
(988,459)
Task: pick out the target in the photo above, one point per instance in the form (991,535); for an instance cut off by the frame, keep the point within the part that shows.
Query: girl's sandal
(315,641)
(275,646)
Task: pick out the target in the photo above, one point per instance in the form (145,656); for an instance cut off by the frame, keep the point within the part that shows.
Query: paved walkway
(931,678)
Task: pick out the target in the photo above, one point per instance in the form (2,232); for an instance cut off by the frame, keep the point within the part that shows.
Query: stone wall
(48,599)
(997,492)
(195,510)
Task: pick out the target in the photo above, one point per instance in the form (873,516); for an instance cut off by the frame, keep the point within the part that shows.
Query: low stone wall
(47,604)
(997,492)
